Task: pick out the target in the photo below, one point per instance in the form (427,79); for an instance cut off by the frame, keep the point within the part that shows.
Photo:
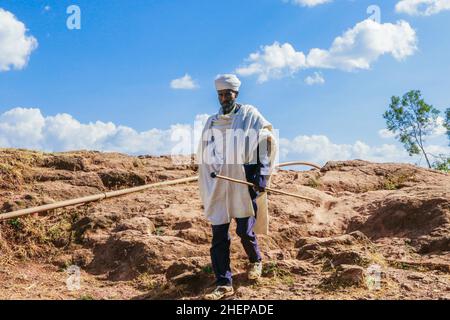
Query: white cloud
(320,149)
(362,45)
(47,8)
(309,3)
(386,134)
(357,48)
(274,61)
(317,78)
(422,7)
(28,128)
(436,150)
(440,129)
(15,45)
(185,83)
(19,126)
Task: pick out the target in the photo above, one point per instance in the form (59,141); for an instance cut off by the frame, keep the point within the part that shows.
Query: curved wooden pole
(298,163)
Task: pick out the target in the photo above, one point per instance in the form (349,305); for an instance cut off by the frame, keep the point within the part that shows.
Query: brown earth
(389,219)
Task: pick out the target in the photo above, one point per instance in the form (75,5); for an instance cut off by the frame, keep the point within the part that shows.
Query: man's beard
(228,106)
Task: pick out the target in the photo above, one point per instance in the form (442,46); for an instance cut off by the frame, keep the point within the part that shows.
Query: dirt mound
(115,179)
(391,218)
(129,253)
(74,163)
(404,216)
(361,176)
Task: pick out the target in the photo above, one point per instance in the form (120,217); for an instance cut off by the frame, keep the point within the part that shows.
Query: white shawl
(224,200)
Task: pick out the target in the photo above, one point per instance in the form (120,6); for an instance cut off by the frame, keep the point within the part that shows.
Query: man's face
(227,98)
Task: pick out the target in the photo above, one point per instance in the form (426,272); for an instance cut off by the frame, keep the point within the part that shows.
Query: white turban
(227,82)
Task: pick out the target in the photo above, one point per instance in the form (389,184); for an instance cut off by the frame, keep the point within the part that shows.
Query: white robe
(224,200)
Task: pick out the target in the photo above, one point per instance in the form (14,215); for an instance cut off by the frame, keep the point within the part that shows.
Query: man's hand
(257,188)
(260,183)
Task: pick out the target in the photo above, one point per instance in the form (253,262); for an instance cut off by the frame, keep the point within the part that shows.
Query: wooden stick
(95,197)
(214,175)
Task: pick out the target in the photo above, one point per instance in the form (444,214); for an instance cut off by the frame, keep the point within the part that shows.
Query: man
(237,143)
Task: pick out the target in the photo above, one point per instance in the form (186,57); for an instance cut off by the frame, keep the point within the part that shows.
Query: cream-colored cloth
(224,200)
(262,217)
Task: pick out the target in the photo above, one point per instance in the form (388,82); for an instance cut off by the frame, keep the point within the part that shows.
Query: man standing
(237,143)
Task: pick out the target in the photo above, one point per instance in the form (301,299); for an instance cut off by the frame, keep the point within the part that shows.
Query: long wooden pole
(95,197)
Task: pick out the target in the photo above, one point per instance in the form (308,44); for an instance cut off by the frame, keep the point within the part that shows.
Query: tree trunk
(426,157)
(421,147)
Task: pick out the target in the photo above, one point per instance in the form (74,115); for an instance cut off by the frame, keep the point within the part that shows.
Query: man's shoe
(255,271)
(220,292)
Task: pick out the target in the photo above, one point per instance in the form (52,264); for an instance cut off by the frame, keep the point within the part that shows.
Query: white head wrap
(227,82)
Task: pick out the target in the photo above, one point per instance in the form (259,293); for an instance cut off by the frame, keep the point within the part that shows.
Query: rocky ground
(382,231)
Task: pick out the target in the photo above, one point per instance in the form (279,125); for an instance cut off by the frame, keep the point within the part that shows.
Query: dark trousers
(220,249)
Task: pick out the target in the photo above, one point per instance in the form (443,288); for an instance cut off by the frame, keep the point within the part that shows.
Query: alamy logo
(73,281)
(73,22)
(375,13)
(373,277)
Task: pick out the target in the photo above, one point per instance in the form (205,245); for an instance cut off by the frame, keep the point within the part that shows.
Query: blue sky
(118,67)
